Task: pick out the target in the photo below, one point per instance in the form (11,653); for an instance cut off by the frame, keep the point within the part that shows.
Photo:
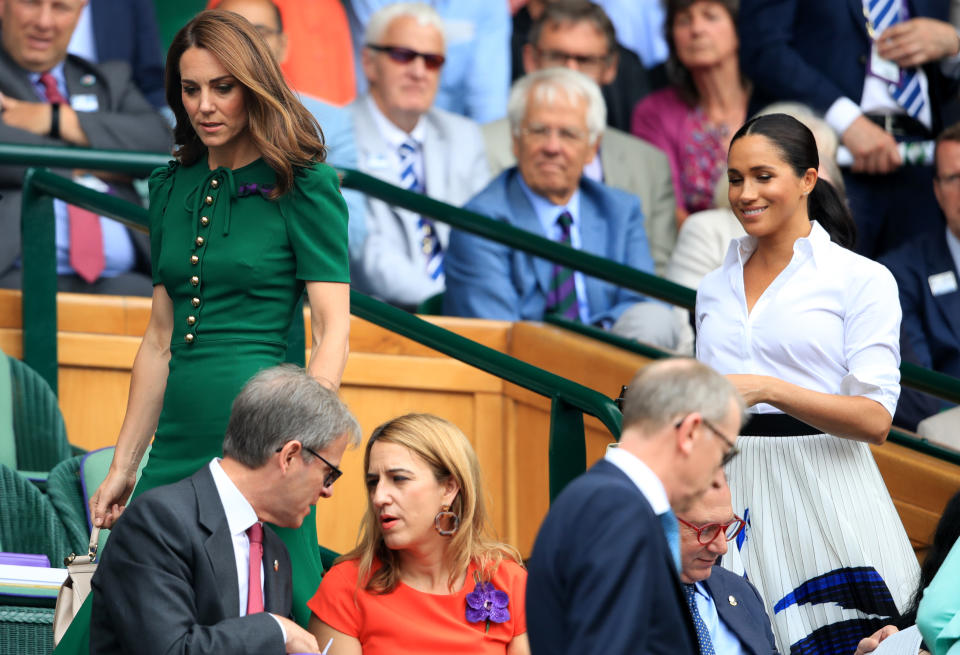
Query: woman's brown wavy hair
(285,133)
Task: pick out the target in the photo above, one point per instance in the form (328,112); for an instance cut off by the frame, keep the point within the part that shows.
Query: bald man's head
(266,18)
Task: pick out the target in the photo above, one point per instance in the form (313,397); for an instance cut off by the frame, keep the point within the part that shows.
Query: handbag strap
(91,556)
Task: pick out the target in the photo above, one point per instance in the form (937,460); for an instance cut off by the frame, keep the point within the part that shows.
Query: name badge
(942,283)
(886,70)
(84,102)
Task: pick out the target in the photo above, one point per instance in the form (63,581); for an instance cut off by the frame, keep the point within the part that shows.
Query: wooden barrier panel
(388,375)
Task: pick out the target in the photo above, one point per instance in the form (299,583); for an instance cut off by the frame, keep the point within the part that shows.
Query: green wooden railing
(140,164)
(569,401)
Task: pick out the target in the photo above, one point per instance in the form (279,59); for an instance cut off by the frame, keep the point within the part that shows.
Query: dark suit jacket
(747,619)
(815,51)
(167,582)
(601,578)
(124,121)
(486,279)
(127,30)
(930,330)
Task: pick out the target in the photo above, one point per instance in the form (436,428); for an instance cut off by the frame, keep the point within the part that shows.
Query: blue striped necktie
(430,240)
(703,635)
(562,296)
(908,93)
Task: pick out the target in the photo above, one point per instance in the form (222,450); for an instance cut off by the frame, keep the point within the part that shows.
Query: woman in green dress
(245,219)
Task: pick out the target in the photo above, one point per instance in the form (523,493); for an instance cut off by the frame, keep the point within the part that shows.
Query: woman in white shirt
(808,331)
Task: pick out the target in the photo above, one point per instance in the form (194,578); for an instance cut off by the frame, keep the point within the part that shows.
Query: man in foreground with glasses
(191,566)
(727,610)
(604,576)
(556,117)
(403,139)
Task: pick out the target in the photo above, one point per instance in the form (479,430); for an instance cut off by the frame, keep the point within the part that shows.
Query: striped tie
(430,241)
(562,297)
(908,93)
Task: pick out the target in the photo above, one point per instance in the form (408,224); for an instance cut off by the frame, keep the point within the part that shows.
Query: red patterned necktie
(254,587)
(86,237)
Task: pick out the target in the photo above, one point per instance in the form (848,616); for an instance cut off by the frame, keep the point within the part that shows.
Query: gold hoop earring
(446,515)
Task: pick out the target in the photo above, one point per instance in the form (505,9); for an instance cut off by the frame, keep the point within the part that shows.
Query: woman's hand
(870,644)
(107,503)
(754,388)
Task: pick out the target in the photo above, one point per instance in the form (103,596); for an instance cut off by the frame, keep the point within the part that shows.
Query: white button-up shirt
(829,322)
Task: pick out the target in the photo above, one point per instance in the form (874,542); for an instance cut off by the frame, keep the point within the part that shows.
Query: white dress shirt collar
(393,135)
(646,480)
(239,511)
(816,243)
(953,245)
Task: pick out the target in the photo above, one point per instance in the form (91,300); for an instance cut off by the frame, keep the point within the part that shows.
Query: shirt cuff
(283,630)
(842,113)
(950,66)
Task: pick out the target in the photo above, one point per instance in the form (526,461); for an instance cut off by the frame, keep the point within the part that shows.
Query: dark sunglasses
(707,533)
(332,476)
(406,55)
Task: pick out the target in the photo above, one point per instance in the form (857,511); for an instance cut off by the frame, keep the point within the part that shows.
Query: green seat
(28,521)
(65,492)
(26,630)
(39,432)
(327,557)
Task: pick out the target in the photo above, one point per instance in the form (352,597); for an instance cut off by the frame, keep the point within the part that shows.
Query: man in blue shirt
(727,610)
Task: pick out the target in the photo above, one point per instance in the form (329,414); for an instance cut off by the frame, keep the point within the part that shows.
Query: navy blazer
(127,30)
(741,609)
(816,51)
(931,324)
(601,578)
(485,279)
(167,582)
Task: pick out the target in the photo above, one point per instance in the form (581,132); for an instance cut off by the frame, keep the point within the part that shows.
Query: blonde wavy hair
(285,133)
(448,453)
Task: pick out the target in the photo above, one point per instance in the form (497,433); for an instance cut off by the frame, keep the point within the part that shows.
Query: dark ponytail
(798,147)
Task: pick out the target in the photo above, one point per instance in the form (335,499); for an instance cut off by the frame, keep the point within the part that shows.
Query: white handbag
(76,588)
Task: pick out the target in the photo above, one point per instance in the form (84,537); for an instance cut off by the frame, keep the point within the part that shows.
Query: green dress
(234,263)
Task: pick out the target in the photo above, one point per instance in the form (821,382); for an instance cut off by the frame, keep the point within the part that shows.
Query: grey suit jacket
(124,120)
(630,165)
(392,266)
(740,608)
(167,582)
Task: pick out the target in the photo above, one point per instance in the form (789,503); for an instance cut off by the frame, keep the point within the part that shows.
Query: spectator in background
(622,77)
(52,98)
(730,609)
(693,120)
(125,30)
(319,59)
(556,116)
(404,139)
(818,52)
(640,26)
(476,75)
(577,34)
(336,123)
(926,269)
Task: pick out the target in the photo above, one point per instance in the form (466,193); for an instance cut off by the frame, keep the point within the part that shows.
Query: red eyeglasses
(707,533)
(405,55)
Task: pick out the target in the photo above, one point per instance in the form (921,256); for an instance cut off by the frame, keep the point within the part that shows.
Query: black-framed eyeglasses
(584,62)
(732,450)
(707,533)
(332,476)
(400,55)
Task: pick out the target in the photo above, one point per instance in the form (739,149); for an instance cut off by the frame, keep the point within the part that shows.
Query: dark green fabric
(41,436)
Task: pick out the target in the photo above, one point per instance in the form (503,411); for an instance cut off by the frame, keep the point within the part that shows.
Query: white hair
(546,85)
(381,19)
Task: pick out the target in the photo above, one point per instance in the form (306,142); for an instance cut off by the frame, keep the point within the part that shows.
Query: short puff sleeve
(333,603)
(316,218)
(160,184)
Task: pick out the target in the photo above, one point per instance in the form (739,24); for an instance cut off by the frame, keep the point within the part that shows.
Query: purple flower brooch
(486,603)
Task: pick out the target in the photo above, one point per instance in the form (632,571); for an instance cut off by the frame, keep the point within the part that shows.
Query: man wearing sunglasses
(403,139)
(191,566)
(726,609)
(604,573)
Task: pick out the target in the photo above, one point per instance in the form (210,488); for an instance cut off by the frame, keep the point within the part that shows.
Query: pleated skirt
(824,544)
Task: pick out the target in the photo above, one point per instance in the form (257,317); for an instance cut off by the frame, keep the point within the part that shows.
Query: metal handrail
(569,400)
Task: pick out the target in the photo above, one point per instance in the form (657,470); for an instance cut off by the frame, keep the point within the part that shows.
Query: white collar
(239,511)
(814,244)
(646,480)
(393,135)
